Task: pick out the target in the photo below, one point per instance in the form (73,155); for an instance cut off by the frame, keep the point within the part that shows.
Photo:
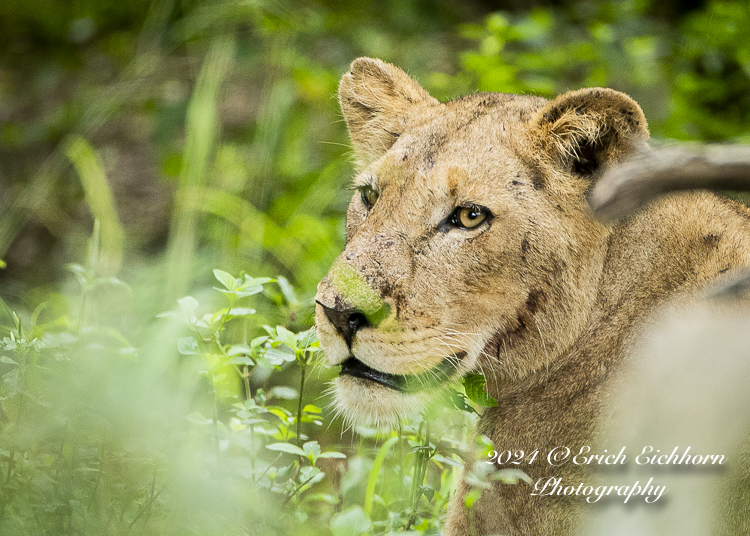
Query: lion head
(469,242)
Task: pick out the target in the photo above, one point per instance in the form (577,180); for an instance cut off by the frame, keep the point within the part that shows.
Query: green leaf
(75,268)
(205,321)
(279,356)
(238,312)
(447,461)
(286,447)
(483,445)
(255,281)
(285,336)
(427,491)
(187,346)
(351,522)
(238,349)
(7,360)
(284,393)
(244,293)
(472,497)
(307,338)
(288,291)
(251,286)
(188,304)
(312,418)
(241,360)
(325,497)
(310,475)
(112,281)
(459,401)
(476,481)
(257,341)
(7,321)
(511,476)
(11,378)
(474,387)
(312,450)
(374,473)
(226,279)
(332,454)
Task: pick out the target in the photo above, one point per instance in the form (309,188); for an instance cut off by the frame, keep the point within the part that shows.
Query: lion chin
(369,397)
(363,402)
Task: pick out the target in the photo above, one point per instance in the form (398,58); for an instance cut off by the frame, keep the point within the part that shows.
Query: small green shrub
(207,427)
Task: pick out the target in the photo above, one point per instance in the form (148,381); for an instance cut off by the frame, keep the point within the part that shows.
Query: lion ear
(583,132)
(379,102)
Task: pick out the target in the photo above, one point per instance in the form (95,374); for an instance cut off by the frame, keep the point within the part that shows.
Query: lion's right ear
(379,102)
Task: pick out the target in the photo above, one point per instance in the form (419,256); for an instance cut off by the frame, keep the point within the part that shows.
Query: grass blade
(370,493)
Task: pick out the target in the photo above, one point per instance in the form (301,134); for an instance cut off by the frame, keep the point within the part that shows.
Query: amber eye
(469,217)
(369,196)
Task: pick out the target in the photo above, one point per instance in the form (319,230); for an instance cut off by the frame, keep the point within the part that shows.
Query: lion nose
(347,320)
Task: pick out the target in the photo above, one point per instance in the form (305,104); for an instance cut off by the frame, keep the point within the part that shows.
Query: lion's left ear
(584,132)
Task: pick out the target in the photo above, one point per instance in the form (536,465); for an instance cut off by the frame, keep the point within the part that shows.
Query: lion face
(468,244)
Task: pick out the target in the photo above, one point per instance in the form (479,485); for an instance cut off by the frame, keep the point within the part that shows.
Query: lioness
(471,247)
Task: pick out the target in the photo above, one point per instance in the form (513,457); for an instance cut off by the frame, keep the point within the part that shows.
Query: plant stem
(20,395)
(420,471)
(153,495)
(270,466)
(7,480)
(214,415)
(98,476)
(415,472)
(297,490)
(82,312)
(299,406)
(248,396)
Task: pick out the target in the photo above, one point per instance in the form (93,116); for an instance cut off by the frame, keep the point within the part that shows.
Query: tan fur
(542,298)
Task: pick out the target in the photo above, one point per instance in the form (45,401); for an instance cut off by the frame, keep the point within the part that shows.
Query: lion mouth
(405,383)
(355,367)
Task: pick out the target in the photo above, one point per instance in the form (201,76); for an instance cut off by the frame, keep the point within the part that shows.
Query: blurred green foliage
(691,76)
(215,123)
(188,135)
(196,429)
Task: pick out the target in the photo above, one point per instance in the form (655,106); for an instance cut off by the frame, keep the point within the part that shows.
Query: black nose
(347,320)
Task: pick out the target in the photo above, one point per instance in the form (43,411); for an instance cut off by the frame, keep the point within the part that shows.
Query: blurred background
(210,133)
(204,134)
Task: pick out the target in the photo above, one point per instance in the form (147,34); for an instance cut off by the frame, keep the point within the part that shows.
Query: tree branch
(626,188)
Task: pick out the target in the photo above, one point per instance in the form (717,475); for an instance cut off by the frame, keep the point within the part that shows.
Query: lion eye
(369,196)
(469,217)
